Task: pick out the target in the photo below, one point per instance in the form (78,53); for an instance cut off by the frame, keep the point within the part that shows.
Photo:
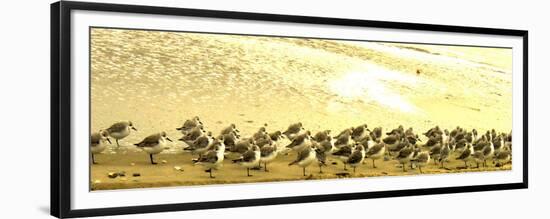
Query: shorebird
(300,142)
(435,152)
(502,157)
(321,152)
(343,139)
(376,134)
(293,130)
(200,145)
(192,135)
(268,153)
(230,129)
(305,158)
(367,142)
(376,152)
(213,158)
(261,134)
(488,153)
(322,136)
(241,147)
(391,141)
(98,142)
(479,158)
(153,144)
(433,141)
(249,159)
(421,159)
(120,130)
(398,131)
(405,155)
(466,155)
(356,157)
(343,154)
(189,124)
(397,147)
(326,147)
(360,132)
(444,154)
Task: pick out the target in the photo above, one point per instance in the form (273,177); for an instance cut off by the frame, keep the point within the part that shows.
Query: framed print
(169,109)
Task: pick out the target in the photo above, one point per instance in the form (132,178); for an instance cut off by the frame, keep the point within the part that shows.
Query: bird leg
(420,168)
(304,168)
(354,170)
(465,164)
(210,171)
(248,172)
(151,157)
(265,167)
(404,167)
(345,167)
(117,145)
(93,159)
(320,169)
(373,165)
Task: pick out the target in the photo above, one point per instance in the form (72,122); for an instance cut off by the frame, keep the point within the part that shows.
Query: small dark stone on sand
(384,173)
(112,175)
(241,114)
(121,173)
(334,163)
(219,122)
(249,121)
(136,174)
(344,174)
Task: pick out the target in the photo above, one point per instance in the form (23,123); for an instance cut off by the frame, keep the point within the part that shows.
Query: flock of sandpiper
(353,146)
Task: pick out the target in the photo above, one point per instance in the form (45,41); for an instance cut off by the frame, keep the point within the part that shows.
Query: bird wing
(209,157)
(117,127)
(465,154)
(374,149)
(355,157)
(249,156)
(149,141)
(265,151)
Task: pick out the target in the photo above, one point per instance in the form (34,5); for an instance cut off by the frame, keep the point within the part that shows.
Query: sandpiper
(356,157)
(488,153)
(249,159)
(405,155)
(120,130)
(189,124)
(376,152)
(268,153)
(479,158)
(300,142)
(322,136)
(343,139)
(343,154)
(305,158)
(293,130)
(153,144)
(421,159)
(192,135)
(376,134)
(212,159)
(466,155)
(200,145)
(444,154)
(98,143)
(360,132)
(435,152)
(502,157)
(391,141)
(230,129)
(241,147)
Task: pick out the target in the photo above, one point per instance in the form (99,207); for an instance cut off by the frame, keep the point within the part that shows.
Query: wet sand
(164,174)
(157,80)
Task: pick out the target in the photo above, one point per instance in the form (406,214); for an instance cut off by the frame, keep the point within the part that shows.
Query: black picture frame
(61,110)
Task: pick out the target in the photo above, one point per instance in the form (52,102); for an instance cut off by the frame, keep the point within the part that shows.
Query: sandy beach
(157,80)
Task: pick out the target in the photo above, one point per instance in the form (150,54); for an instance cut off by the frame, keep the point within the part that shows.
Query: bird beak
(134,128)
(181,139)
(169,139)
(179,129)
(109,140)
